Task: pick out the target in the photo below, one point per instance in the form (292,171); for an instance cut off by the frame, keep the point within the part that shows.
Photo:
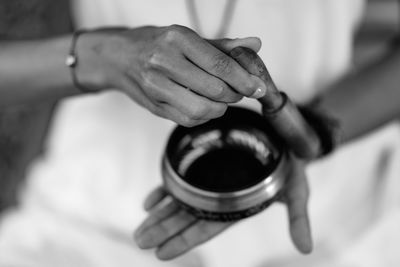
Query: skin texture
(367,98)
(177,75)
(372,90)
(171,71)
(372,87)
(172,231)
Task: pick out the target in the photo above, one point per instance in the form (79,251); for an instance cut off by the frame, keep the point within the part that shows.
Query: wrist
(90,71)
(326,126)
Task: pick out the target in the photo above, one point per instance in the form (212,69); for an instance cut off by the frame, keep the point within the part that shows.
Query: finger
(254,65)
(179,117)
(165,209)
(297,199)
(191,106)
(191,237)
(156,196)
(201,82)
(165,229)
(226,45)
(217,63)
(135,92)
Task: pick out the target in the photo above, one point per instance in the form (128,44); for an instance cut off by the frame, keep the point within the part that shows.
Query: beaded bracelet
(72,61)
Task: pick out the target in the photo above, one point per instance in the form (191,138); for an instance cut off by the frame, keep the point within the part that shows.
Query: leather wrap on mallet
(280,112)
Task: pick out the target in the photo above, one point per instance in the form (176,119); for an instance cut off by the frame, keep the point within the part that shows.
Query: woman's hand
(173,231)
(171,71)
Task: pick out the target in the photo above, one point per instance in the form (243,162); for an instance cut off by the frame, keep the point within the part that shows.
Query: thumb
(226,45)
(300,231)
(296,200)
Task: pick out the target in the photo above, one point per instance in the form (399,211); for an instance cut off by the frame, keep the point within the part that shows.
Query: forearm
(367,99)
(152,65)
(34,70)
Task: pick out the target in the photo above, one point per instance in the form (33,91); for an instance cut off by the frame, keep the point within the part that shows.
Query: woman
(94,154)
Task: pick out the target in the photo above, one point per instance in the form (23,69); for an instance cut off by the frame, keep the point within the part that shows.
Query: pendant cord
(225,22)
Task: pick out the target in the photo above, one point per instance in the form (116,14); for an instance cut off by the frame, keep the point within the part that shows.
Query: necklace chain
(225,22)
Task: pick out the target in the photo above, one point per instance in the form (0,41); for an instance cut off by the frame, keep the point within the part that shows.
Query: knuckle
(249,88)
(217,92)
(197,112)
(188,122)
(222,65)
(225,94)
(156,59)
(147,80)
(175,33)
(223,44)
(220,110)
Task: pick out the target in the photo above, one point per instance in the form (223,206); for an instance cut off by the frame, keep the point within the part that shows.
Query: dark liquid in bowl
(226,169)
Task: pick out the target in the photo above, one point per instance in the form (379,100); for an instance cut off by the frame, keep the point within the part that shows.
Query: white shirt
(104,151)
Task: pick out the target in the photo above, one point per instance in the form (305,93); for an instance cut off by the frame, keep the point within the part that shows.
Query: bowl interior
(228,154)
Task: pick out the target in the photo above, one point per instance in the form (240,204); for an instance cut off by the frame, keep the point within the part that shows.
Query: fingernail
(147,205)
(260,92)
(141,239)
(307,248)
(143,242)
(137,239)
(165,253)
(305,245)
(138,242)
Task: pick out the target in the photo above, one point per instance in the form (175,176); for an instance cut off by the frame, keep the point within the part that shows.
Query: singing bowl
(226,169)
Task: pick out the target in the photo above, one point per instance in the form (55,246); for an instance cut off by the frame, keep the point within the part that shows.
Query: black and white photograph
(199,133)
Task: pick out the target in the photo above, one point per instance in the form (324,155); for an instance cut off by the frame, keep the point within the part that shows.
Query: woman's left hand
(173,231)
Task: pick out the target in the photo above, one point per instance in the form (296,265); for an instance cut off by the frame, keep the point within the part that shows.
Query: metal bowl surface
(222,198)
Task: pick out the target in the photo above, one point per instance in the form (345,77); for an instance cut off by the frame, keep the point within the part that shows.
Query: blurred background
(95,228)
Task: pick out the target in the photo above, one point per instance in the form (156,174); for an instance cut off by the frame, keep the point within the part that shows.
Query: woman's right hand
(171,71)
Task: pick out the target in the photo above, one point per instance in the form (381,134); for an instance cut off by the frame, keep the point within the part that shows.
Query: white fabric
(83,199)
(306,42)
